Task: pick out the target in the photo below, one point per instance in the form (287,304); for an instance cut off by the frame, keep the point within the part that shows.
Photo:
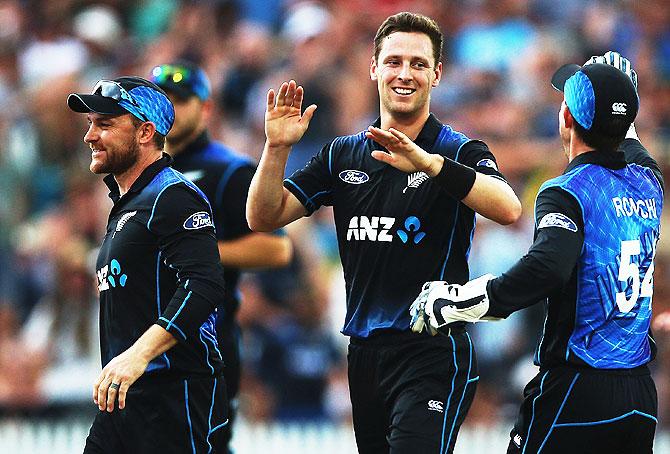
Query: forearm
(493,199)
(155,341)
(266,198)
(256,250)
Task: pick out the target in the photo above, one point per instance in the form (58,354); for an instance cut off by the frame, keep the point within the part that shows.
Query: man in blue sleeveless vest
(224,176)
(400,217)
(597,227)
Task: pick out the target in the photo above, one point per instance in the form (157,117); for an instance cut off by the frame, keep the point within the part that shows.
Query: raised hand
(403,154)
(615,59)
(284,124)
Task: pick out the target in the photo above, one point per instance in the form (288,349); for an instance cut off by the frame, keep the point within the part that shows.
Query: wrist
(277,148)
(456,178)
(435,164)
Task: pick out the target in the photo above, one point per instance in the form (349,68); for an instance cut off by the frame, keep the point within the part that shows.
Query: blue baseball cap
(129,94)
(600,97)
(182,78)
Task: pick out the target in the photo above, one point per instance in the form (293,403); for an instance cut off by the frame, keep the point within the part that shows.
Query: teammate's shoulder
(218,152)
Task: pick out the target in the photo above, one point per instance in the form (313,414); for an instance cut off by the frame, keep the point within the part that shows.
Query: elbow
(511,213)
(257,223)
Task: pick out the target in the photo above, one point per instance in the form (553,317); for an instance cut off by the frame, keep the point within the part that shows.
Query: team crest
(415,179)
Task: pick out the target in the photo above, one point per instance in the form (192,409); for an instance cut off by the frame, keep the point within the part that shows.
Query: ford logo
(354,176)
(198,221)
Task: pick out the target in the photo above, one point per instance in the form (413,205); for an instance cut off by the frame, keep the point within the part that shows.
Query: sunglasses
(114,90)
(174,74)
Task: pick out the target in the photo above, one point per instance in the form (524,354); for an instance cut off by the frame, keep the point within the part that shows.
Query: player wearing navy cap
(159,280)
(592,262)
(224,176)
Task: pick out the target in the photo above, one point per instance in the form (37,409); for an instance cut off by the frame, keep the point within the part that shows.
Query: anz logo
(111,276)
(377,228)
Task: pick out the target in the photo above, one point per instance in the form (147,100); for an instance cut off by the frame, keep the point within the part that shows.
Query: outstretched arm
(488,196)
(270,205)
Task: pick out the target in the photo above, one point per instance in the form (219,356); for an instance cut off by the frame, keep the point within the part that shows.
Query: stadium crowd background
(499,56)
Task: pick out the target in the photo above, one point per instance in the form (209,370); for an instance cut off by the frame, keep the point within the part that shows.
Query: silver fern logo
(125,218)
(415,179)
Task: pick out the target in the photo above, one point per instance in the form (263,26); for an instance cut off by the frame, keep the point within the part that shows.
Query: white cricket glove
(441,303)
(615,59)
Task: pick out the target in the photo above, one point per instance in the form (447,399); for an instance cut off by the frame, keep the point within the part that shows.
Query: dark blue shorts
(569,410)
(410,393)
(178,416)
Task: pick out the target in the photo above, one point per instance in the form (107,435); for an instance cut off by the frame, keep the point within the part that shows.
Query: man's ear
(373,68)
(568,119)
(438,75)
(146,132)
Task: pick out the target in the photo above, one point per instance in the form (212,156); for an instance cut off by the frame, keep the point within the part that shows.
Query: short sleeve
(313,184)
(477,155)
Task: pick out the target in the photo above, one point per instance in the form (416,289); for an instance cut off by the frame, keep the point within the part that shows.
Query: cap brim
(94,103)
(562,74)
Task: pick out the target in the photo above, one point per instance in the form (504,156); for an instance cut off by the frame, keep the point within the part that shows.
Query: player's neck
(577,147)
(126,179)
(411,126)
(174,147)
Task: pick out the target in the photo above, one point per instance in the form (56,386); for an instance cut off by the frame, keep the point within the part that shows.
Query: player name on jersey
(628,206)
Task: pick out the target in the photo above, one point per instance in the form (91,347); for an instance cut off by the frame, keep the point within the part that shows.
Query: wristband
(455,178)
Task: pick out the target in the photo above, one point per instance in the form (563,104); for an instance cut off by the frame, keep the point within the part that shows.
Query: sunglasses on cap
(182,80)
(114,90)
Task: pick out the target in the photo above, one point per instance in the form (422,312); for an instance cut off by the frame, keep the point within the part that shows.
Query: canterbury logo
(619,108)
(414,180)
(436,405)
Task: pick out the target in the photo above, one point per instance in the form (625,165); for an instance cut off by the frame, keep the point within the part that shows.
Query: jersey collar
(144,179)
(609,159)
(426,138)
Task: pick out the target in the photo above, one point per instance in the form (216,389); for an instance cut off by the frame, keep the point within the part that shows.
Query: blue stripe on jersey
(188,415)
(173,325)
(446,406)
(532,418)
(558,413)
(209,418)
(606,421)
(465,388)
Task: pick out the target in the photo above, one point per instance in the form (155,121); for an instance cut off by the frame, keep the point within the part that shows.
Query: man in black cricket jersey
(224,176)
(159,279)
(592,262)
(400,216)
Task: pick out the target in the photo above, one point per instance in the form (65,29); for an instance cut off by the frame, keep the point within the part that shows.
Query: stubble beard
(119,161)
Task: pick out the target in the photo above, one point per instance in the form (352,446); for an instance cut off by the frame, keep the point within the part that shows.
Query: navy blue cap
(128,94)
(183,78)
(600,97)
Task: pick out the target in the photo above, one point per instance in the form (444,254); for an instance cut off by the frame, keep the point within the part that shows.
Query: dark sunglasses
(114,90)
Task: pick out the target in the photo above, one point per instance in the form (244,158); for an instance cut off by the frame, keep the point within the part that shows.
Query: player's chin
(98,167)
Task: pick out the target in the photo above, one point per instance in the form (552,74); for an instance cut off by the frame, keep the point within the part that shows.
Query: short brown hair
(410,22)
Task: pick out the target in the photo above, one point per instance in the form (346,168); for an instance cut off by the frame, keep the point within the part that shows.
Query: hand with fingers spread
(115,379)
(402,153)
(284,123)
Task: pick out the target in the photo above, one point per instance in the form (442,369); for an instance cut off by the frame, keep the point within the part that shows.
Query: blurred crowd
(499,56)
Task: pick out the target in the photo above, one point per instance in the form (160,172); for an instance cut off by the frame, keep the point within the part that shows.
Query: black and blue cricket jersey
(224,177)
(159,264)
(395,230)
(596,229)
